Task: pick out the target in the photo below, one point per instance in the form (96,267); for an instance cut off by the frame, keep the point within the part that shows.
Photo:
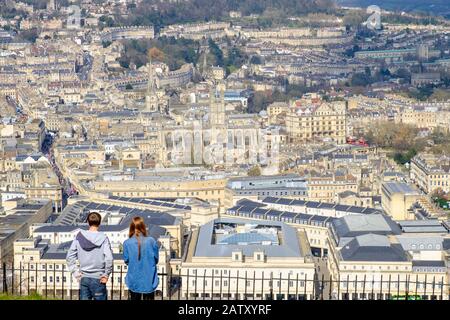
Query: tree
(254,171)
(255,60)
(216,52)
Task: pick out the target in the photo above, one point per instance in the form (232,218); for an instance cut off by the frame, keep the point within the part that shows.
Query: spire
(151,77)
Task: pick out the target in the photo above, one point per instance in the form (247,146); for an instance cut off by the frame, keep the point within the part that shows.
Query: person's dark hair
(138,228)
(94,219)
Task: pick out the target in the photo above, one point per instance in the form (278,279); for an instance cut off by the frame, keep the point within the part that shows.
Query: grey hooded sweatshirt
(93,252)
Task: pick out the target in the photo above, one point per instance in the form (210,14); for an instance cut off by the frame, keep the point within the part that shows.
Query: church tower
(217,106)
(151,98)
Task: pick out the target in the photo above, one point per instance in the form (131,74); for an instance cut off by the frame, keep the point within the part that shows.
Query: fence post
(288,286)
(373,284)
(5,284)
(279,286)
(407,287)
(426,285)
(381,288)
(331,284)
(112,282)
(389,287)
(417,283)
(237,286)
(62,279)
(245,286)
(322,286)
(12,279)
(339,287)
(364,288)
(120,283)
(434,279)
(262,284)
(442,288)
(179,284)
(195,282)
(46,280)
(348,285)
(356,287)
(212,285)
(20,278)
(54,280)
(398,286)
(254,284)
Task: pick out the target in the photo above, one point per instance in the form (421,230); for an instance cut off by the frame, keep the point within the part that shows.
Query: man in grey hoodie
(92,250)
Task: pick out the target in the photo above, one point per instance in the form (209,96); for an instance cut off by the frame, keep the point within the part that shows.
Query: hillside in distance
(434,7)
(164,13)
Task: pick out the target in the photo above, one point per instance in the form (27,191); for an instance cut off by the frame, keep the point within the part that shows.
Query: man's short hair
(94,219)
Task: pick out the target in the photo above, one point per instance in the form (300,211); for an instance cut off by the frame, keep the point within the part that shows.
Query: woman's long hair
(138,228)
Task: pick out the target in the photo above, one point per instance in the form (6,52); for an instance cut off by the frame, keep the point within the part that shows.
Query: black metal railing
(54,281)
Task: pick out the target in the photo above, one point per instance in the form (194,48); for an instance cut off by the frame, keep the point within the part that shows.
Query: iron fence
(52,282)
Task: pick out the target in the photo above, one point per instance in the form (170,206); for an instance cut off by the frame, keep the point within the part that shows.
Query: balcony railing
(50,282)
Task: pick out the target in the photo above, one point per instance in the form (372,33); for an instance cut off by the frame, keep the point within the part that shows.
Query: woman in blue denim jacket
(141,254)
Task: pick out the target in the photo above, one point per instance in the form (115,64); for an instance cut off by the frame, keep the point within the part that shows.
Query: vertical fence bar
(305,285)
(398,286)
(296,288)
(364,288)
(254,284)
(5,284)
(28,279)
(442,288)
(62,284)
(163,284)
(35,279)
(279,286)
(237,286)
(245,286)
(339,287)
(195,282)
(271,286)
(407,287)
(204,283)
(70,277)
(112,282)
(322,287)
(54,280)
(221,282)
(262,284)
(381,288)
(229,284)
(288,286)
(348,284)
(46,280)
(314,286)
(426,285)
(373,284)
(187,284)
(212,285)
(389,287)
(179,283)
(329,293)
(20,278)
(12,279)
(434,278)
(356,287)
(417,283)
(120,283)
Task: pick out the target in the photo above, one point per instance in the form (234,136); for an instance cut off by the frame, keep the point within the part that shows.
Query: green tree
(254,171)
